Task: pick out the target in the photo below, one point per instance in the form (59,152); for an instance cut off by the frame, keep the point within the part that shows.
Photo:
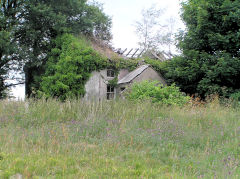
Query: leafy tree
(28,27)
(210,57)
(9,53)
(41,21)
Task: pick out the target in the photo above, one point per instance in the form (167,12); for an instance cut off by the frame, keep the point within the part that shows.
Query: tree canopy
(210,60)
(28,27)
(9,52)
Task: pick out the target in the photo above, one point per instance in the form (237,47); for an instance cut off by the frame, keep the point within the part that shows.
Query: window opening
(110,73)
(110,92)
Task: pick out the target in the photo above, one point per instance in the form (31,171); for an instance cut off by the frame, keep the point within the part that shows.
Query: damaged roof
(129,77)
(104,49)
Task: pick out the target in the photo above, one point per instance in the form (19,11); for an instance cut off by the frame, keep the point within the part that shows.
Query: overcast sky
(124,14)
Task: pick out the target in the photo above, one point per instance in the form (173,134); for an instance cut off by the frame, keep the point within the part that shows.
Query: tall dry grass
(118,139)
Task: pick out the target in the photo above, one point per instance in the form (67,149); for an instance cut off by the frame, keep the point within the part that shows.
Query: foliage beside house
(157,93)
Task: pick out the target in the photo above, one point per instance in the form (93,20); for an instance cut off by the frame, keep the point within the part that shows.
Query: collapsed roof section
(108,51)
(138,53)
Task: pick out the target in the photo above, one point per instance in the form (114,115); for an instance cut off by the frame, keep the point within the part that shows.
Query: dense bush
(69,67)
(157,93)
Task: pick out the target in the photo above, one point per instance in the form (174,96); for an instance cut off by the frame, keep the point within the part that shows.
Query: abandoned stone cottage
(98,85)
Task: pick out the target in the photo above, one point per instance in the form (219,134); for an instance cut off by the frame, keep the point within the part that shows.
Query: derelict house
(98,86)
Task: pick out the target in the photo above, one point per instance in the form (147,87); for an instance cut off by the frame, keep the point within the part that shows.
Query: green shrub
(235,97)
(157,93)
(69,67)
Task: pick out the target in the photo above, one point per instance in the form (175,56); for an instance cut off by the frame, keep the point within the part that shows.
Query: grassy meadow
(118,139)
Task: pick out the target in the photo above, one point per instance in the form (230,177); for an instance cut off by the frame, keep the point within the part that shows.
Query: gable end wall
(149,74)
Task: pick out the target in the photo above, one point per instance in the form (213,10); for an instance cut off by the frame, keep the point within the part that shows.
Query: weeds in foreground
(83,139)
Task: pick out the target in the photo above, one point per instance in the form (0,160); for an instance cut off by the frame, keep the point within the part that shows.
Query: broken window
(110,73)
(110,92)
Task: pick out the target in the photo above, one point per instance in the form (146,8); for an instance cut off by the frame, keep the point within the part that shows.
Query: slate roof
(129,77)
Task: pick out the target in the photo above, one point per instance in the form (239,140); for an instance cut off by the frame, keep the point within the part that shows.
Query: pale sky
(124,14)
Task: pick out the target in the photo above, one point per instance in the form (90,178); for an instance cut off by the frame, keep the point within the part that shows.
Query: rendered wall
(148,74)
(96,87)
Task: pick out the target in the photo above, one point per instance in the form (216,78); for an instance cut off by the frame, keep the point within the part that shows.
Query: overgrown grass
(78,139)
